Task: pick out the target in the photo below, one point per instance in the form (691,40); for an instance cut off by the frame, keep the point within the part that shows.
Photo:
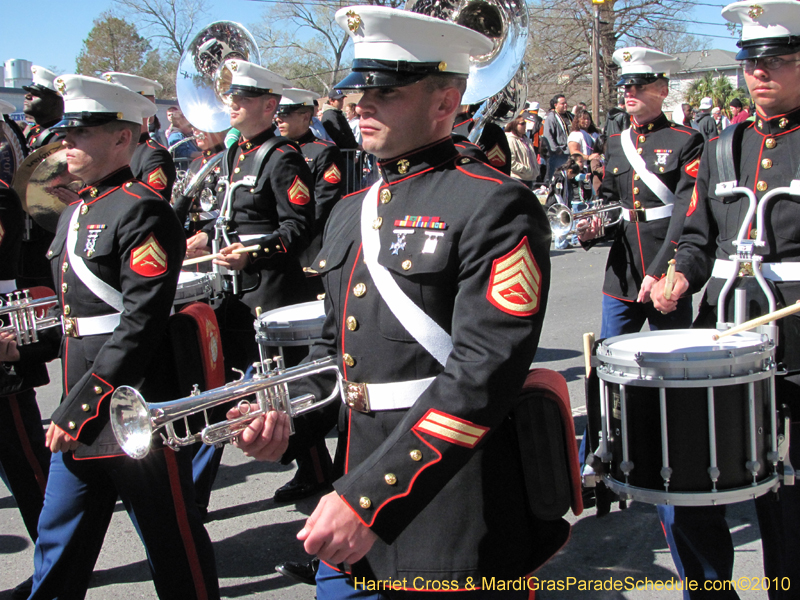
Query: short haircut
(554,100)
(134,128)
(440,82)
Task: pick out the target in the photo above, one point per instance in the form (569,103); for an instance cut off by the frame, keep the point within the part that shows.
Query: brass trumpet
(24,320)
(134,421)
(564,221)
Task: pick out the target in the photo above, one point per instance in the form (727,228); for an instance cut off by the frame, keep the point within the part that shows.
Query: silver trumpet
(26,317)
(134,421)
(564,221)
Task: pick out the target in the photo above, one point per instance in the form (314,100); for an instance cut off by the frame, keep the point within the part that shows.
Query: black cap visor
(287,109)
(86,119)
(764,47)
(369,73)
(639,79)
(246,90)
(39,90)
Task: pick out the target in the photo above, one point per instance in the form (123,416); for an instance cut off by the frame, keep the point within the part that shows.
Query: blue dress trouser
(24,458)
(335,585)
(621,317)
(158,494)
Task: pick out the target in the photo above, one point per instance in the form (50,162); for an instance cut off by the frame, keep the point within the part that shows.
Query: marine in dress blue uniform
(767,157)
(116,256)
(492,140)
(44,104)
(275,212)
(152,162)
(429,449)
(646,238)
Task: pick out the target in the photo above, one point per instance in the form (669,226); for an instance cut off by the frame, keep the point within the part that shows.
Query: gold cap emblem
(626,56)
(353,21)
(234,65)
(60,85)
(107,76)
(755,11)
(443,66)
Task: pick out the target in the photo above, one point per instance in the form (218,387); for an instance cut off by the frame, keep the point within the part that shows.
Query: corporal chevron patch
(149,259)
(298,192)
(333,174)
(691,168)
(515,284)
(2,233)
(693,203)
(451,429)
(496,156)
(157,179)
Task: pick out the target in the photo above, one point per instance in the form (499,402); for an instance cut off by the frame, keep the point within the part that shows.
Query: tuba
(497,80)
(202,77)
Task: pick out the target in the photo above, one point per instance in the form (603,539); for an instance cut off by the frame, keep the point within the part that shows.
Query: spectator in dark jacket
(703,121)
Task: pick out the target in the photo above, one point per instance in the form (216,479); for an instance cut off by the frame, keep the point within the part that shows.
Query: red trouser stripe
(26,443)
(183,525)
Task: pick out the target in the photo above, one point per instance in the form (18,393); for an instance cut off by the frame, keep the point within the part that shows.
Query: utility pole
(596,60)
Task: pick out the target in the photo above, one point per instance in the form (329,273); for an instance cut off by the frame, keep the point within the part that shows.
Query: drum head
(682,356)
(295,325)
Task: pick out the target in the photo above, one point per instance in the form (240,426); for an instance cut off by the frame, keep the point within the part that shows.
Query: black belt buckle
(356,396)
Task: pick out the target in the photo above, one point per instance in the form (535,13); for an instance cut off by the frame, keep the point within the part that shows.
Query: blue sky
(56,32)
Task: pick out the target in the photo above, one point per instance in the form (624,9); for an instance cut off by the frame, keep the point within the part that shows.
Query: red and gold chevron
(451,429)
(2,233)
(516,282)
(333,174)
(691,168)
(693,203)
(157,179)
(298,192)
(149,259)
(496,156)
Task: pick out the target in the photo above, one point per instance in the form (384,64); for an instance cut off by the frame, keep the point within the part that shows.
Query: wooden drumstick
(207,257)
(668,287)
(773,316)
(588,344)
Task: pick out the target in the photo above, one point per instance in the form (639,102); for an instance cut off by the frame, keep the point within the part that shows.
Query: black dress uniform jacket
(41,135)
(672,153)
(129,238)
(769,158)
(493,142)
(152,164)
(279,210)
(327,168)
(447,508)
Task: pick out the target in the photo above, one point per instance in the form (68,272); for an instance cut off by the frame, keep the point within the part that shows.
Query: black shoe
(23,590)
(300,572)
(297,490)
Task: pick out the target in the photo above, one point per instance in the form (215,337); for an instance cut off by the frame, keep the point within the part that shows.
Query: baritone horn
(134,421)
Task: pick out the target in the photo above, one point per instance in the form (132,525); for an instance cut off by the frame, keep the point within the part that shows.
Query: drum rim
(730,496)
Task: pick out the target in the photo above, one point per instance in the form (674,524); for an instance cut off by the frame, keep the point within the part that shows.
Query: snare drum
(686,420)
(193,287)
(295,325)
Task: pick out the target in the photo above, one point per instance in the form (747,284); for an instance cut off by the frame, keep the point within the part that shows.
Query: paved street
(252,533)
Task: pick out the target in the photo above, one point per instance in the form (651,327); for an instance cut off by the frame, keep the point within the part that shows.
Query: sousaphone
(12,152)
(202,78)
(496,79)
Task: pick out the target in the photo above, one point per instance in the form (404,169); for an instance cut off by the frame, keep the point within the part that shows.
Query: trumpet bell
(202,77)
(505,22)
(130,422)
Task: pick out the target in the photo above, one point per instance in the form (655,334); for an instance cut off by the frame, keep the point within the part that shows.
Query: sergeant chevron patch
(451,429)
(157,179)
(516,282)
(496,156)
(333,174)
(691,168)
(149,259)
(298,192)
(693,203)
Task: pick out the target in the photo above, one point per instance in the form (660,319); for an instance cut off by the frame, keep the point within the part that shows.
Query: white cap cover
(89,101)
